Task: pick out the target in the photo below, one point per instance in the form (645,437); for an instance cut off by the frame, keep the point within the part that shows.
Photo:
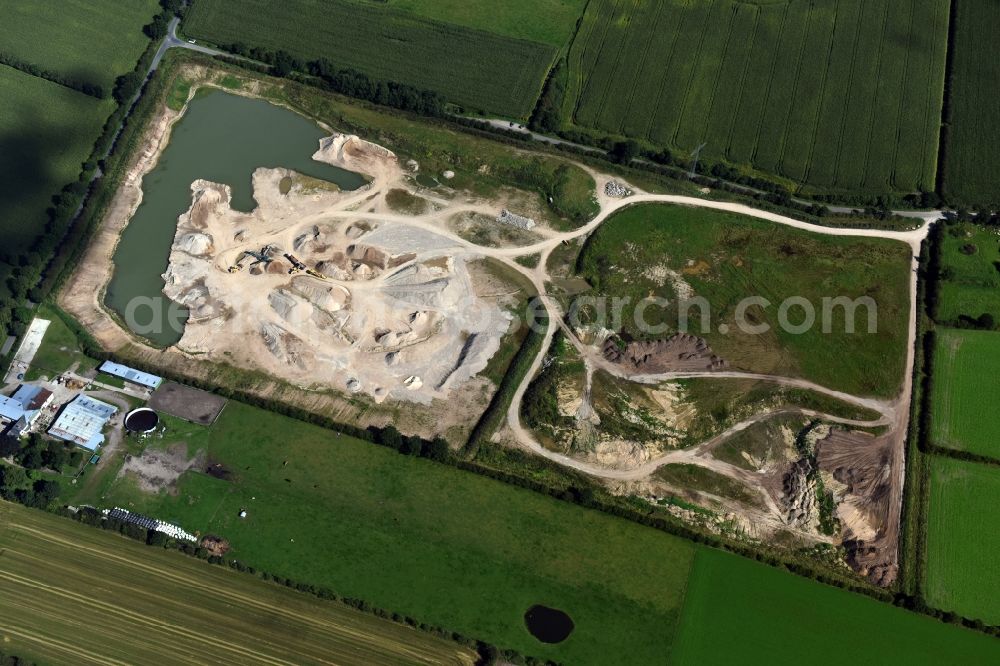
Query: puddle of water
(549,625)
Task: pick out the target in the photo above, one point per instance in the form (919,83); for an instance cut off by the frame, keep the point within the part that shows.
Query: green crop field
(971,169)
(966,388)
(549,22)
(442,545)
(963,538)
(475,68)
(88,40)
(741,611)
(839,95)
(46,133)
(655,250)
(47,130)
(75,594)
(970,273)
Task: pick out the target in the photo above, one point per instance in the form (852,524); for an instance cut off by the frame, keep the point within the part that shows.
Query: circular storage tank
(141,420)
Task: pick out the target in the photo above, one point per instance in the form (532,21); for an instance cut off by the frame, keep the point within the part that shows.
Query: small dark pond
(549,625)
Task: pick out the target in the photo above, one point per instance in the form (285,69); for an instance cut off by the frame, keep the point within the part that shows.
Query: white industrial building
(82,422)
(131,374)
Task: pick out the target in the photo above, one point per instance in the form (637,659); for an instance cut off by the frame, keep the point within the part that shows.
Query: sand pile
(383,307)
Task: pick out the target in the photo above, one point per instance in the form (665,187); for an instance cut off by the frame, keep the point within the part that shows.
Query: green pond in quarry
(222,138)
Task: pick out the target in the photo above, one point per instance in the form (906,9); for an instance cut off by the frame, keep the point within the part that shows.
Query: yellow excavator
(296,264)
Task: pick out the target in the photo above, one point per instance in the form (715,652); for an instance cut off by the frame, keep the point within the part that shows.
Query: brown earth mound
(215,545)
(862,463)
(680,352)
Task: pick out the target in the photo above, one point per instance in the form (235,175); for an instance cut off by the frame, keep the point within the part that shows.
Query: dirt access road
(894,413)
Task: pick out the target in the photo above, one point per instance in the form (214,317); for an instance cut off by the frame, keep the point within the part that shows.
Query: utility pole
(694,165)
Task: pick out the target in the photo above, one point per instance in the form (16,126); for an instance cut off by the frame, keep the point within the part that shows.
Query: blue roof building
(82,421)
(32,398)
(10,409)
(131,374)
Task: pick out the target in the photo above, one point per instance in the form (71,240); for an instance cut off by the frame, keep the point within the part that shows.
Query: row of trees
(435,449)
(17,486)
(39,453)
(157,28)
(20,483)
(86,87)
(547,116)
(347,81)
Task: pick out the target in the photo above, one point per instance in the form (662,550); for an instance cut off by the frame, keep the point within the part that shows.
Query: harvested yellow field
(75,594)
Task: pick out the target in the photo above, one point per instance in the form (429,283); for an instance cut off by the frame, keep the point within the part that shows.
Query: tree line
(346,81)
(321,73)
(86,87)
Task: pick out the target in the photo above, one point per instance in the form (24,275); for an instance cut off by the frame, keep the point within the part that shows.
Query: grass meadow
(963,538)
(842,95)
(660,250)
(970,263)
(70,593)
(971,169)
(475,68)
(740,607)
(59,350)
(445,546)
(472,554)
(966,390)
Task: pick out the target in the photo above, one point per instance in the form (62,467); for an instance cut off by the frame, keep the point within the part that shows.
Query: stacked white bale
(515,220)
